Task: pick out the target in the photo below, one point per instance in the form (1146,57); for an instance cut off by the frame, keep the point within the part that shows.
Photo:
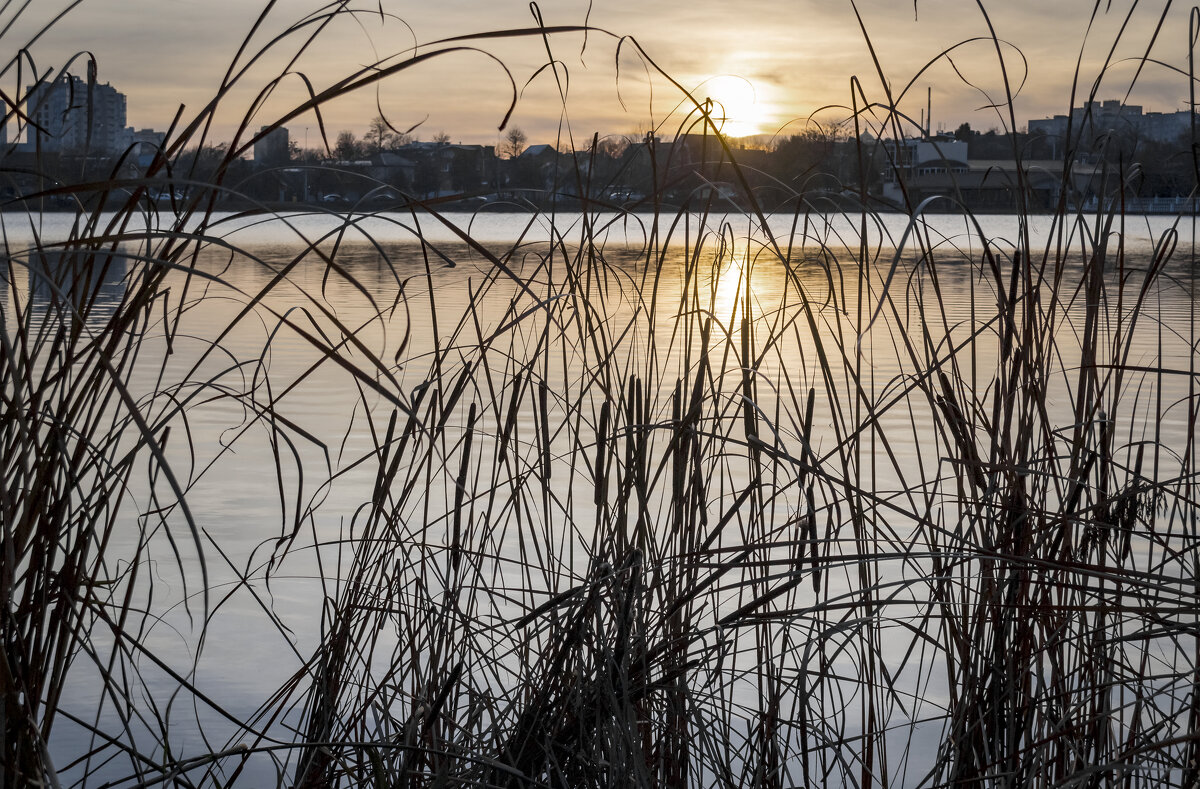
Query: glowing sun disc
(737,109)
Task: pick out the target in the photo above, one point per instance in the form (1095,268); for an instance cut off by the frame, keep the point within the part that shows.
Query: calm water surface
(419,314)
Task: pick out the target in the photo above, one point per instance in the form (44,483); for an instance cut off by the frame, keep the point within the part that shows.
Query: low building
(938,161)
(144,144)
(440,168)
(940,166)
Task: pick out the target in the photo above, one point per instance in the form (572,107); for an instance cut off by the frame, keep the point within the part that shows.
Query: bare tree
(348,147)
(382,136)
(613,146)
(513,144)
(441,138)
(378,134)
(398,140)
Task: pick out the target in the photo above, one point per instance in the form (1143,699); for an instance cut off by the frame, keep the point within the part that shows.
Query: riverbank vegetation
(725,506)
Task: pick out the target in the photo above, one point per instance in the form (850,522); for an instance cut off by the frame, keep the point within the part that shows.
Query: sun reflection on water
(728,294)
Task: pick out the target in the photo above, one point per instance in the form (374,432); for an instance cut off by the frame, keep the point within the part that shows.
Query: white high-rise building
(68,111)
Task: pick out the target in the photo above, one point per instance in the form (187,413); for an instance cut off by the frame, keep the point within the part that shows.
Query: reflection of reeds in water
(648,521)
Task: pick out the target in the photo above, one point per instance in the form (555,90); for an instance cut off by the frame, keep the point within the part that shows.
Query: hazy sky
(781,60)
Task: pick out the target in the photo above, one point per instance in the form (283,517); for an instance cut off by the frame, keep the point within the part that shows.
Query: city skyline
(771,67)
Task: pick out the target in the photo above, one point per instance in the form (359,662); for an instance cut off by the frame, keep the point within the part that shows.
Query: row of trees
(826,160)
(382,137)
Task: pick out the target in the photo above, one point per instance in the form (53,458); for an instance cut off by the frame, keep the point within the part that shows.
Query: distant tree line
(388,164)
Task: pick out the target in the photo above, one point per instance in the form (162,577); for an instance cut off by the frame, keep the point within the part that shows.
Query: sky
(772,64)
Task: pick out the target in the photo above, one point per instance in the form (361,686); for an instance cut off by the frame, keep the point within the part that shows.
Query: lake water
(307,333)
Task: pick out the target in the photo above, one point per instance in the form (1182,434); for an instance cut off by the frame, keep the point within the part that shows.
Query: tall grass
(765,500)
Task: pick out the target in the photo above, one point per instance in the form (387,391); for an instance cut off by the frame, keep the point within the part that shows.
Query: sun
(737,108)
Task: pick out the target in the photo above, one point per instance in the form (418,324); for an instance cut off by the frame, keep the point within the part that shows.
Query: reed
(759,501)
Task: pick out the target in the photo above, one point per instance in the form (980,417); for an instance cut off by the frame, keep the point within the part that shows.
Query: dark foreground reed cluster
(786,500)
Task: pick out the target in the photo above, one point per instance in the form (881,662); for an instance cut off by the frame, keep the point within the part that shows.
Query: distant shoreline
(512,208)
